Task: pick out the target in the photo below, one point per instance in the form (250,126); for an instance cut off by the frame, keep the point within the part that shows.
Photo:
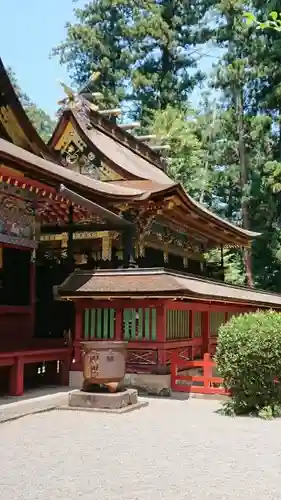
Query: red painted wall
(16,326)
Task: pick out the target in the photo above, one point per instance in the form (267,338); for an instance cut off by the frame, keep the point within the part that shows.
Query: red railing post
(207,372)
(205,332)
(174,370)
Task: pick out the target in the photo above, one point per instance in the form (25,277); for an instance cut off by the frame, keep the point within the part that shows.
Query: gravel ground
(168,450)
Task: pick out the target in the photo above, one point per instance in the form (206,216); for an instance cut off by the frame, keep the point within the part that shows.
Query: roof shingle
(160,282)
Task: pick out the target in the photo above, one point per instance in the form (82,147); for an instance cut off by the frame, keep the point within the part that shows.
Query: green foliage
(248,357)
(178,129)
(100,41)
(273,21)
(39,119)
(233,264)
(165,35)
(144,50)
(228,154)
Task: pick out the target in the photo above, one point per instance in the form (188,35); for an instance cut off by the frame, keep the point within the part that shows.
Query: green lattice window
(197,324)
(177,324)
(216,320)
(139,324)
(99,324)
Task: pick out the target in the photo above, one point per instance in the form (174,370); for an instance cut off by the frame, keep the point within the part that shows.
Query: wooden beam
(94,208)
(165,147)
(89,96)
(145,137)
(129,126)
(77,228)
(112,112)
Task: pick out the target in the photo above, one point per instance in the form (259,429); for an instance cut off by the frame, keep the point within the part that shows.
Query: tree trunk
(243,180)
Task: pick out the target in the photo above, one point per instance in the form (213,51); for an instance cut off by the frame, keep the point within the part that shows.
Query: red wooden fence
(202,384)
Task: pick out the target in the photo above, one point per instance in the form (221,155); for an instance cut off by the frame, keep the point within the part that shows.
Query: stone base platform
(118,402)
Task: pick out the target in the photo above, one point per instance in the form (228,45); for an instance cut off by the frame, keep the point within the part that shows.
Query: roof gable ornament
(84,100)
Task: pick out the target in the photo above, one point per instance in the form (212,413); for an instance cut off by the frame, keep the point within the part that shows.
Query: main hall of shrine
(98,243)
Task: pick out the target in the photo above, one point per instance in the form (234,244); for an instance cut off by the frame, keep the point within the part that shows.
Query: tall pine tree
(145,50)
(100,41)
(249,138)
(166,38)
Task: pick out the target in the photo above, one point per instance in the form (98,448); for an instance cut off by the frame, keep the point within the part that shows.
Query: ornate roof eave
(9,98)
(55,175)
(96,119)
(160,189)
(199,209)
(136,167)
(70,116)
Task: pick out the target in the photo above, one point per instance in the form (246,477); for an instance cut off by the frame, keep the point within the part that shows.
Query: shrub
(248,357)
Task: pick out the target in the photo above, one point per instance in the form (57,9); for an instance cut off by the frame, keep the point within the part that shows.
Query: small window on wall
(14,277)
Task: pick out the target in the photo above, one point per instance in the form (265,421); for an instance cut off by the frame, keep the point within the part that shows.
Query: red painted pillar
(205,332)
(161,333)
(64,372)
(17,378)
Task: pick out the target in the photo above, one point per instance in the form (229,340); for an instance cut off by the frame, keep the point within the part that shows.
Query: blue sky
(29,30)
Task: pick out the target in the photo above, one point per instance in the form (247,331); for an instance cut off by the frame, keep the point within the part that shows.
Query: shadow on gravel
(185,396)
(31,394)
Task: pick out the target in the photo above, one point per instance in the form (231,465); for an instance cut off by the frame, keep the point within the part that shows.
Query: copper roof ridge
(169,272)
(153,158)
(75,115)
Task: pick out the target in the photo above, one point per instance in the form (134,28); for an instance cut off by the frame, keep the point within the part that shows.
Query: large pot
(104,362)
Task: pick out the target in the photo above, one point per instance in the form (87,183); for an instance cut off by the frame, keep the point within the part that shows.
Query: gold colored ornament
(185,262)
(64,240)
(106,246)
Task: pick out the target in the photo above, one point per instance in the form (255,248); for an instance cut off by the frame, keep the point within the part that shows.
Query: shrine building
(97,242)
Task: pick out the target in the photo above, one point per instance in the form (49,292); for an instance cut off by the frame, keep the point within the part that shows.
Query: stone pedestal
(118,402)
(110,401)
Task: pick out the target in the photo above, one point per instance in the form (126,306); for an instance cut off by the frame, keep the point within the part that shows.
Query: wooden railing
(205,383)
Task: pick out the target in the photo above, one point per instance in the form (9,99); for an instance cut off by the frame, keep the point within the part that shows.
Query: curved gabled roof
(29,138)
(55,174)
(140,173)
(196,208)
(127,161)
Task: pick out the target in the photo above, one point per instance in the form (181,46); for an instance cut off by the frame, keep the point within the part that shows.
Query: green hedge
(248,357)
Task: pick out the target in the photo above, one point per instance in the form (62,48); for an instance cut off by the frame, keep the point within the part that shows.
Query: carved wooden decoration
(12,127)
(16,215)
(77,155)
